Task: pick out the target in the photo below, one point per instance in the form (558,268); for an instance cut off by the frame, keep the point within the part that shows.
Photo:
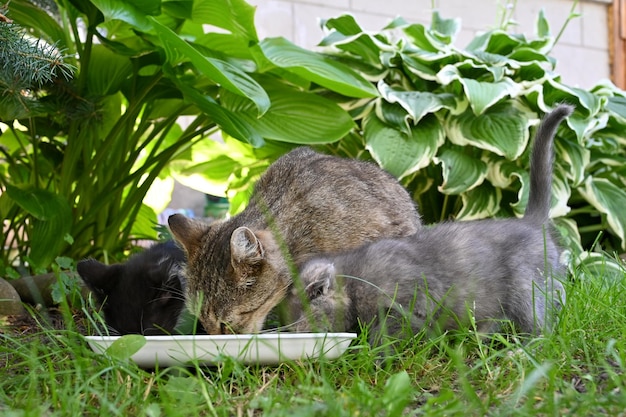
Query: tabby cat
(306,203)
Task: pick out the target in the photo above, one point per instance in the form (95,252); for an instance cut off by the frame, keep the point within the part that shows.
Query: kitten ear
(322,280)
(97,275)
(245,247)
(187,232)
(246,255)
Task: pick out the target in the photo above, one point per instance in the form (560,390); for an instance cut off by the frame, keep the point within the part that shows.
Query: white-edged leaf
(482,95)
(501,172)
(461,172)
(416,103)
(585,127)
(480,202)
(569,238)
(398,153)
(609,199)
(600,266)
(543,26)
(561,192)
(503,129)
(573,158)
(448,28)
(555,92)
(522,194)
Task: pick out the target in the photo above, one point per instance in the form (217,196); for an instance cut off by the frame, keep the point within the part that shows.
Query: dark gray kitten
(143,295)
(442,276)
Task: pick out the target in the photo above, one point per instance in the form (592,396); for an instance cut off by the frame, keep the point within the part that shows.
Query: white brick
(409,9)
(582,67)
(337,4)
(274,18)
(595,25)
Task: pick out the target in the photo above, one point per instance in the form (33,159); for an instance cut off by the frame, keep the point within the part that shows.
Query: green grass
(577,370)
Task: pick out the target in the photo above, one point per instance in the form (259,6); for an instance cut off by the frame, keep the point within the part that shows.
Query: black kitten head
(143,295)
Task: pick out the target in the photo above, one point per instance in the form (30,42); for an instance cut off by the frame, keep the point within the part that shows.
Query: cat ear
(245,247)
(98,276)
(246,255)
(187,232)
(321,281)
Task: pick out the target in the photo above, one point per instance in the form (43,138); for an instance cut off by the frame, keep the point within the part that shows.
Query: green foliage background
(83,149)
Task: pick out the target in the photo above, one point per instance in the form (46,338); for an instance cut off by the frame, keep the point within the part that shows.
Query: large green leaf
(609,199)
(398,153)
(316,68)
(503,129)
(236,16)
(41,204)
(223,73)
(346,35)
(52,220)
(461,171)
(179,50)
(295,116)
(125,11)
(108,71)
(229,122)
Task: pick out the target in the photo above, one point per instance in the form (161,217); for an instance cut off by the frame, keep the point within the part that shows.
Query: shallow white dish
(265,349)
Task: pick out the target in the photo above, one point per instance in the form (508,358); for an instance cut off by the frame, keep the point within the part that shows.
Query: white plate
(266,348)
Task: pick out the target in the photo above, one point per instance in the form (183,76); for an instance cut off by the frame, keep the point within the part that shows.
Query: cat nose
(224,328)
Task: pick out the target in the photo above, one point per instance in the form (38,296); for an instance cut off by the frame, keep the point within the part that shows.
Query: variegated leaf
(609,199)
(480,202)
(503,129)
(600,266)
(461,172)
(398,153)
(417,104)
(573,158)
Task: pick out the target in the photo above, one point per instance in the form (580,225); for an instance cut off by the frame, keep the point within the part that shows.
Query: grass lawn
(578,370)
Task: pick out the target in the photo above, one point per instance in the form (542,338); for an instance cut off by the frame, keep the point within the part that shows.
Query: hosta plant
(454,124)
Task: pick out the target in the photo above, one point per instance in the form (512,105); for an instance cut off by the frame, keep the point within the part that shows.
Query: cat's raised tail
(541,161)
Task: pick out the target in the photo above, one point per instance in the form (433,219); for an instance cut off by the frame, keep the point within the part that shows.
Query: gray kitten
(443,276)
(305,204)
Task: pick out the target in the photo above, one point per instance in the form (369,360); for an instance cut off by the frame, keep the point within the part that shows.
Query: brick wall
(582,53)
